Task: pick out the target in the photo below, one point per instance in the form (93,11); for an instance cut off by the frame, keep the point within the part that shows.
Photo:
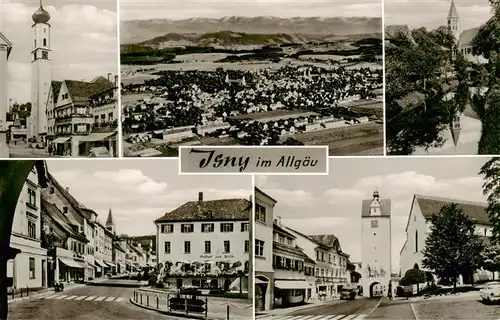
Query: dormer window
(65,209)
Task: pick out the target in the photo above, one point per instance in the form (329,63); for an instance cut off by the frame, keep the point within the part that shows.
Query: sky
(180,9)
(84,41)
(332,204)
(141,191)
(433,13)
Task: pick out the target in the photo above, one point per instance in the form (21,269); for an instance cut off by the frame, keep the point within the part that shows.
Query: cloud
(177,10)
(83,42)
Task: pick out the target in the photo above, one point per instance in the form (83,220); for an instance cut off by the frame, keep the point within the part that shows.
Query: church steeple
(110,223)
(375,207)
(454,21)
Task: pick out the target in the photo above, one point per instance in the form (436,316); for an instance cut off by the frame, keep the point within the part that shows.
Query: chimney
(67,189)
(200,196)
(278,221)
(109,76)
(250,198)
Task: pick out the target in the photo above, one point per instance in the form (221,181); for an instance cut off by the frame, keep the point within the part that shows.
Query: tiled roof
(327,240)
(453,10)
(385,207)
(212,210)
(432,205)
(81,91)
(115,245)
(56,87)
(62,220)
(292,251)
(145,241)
(74,203)
(280,229)
(411,100)
(467,36)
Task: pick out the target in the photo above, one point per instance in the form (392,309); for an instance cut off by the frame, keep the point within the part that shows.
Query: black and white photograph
(251,73)
(123,240)
(442,77)
(59,67)
(379,238)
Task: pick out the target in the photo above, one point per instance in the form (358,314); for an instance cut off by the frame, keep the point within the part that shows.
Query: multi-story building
(147,245)
(29,268)
(205,244)
(80,218)
(263,252)
(418,227)
(119,257)
(290,285)
(104,237)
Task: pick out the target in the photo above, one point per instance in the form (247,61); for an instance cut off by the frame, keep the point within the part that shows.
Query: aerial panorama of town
(310,81)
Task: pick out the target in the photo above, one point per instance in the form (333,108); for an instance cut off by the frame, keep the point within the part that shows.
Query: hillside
(135,31)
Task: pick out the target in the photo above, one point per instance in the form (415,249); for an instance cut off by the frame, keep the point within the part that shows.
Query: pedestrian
(389,291)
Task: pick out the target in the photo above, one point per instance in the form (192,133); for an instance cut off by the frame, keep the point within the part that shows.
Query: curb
(414,311)
(122,285)
(374,308)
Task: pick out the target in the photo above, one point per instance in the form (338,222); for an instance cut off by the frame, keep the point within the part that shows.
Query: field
(356,139)
(274,115)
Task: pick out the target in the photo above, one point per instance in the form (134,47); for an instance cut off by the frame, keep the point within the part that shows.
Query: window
(330,258)
(207,227)
(317,255)
(247,245)
(187,247)
(289,242)
(44,42)
(416,241)
(322,256)
(65,209)
(244,226)
(259,248)
(260,213)
(167,228)
(374,223)
(45,55)
(187,227)
(31,197)
(226,227)
(35,43)
(31,230)
(32,268)
(485,232)
(34,55)
(167,246)
(227,246)
(281,239)
(208,247)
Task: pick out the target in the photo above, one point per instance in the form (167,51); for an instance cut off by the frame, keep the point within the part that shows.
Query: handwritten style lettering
(219,160)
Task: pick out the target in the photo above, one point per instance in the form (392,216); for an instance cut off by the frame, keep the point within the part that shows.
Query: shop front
(100,269)
(71,270)
(290,292)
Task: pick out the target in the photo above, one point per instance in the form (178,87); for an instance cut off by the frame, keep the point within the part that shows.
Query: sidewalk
(307,305)
(44,292)
(464,295)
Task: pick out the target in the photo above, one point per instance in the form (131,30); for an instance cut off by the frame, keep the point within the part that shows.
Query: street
(338,310)
(464,307)
(83,303)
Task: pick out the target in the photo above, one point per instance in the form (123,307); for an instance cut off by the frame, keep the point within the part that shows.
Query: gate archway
(13,174)
(375,289)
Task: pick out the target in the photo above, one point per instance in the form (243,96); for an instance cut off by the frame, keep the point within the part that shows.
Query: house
(205,244)
(29,268)
(418,226)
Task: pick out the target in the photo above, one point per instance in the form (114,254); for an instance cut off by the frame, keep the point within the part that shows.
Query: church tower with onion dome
(41,74)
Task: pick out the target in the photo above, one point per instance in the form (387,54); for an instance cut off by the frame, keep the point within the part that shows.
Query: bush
(152,281)
(160,285)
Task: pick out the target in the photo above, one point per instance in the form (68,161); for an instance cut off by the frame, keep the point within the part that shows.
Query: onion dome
(41,16)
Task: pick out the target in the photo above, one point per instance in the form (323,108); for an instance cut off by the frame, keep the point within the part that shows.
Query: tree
(452,247)
(412,277)
(491,188)
(491,258)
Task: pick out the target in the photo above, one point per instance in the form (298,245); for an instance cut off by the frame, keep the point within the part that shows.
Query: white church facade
(376,246)
(464,38)
(418,227)
(63,113)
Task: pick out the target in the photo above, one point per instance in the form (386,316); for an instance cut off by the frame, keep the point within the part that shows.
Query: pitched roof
(56,87)
(62,220)
(118,247)
(109,220)
(72,201)
(453,10)
(467,36)
(327,240)
(212,210)
(411,100)
(81,91)
(432,205)
(280,229)
(385,208)
(260,191)
(144,240)
(7,42)
(296,251)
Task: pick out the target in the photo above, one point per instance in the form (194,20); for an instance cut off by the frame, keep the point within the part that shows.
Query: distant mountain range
(136,31)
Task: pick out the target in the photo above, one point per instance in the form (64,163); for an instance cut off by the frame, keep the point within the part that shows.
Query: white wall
(416,223)
(264,232)
(197,239)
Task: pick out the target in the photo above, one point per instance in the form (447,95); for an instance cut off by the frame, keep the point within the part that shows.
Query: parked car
(348,294)
(490,292)
(98,152)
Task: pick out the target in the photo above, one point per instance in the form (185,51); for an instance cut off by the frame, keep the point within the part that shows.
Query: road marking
(61,297)
(361,317)
(338,317)
(90,298)
(100,299)
(307,317)
(108,299)
(70,298)
(414,311)
(120,299)
(316,318)
(52,296)
(81,297)
(349,317)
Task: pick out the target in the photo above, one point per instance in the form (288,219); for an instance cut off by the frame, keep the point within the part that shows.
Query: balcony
(200,269)
(104,102)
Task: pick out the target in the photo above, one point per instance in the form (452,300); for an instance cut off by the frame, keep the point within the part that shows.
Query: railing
(188,305)
(18,293)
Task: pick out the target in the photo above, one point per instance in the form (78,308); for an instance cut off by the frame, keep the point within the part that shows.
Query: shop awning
(61,140)
(258,281)
(73,263)
(110,264)
(292,284)
(92,265)
(100,263)
(98,136)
